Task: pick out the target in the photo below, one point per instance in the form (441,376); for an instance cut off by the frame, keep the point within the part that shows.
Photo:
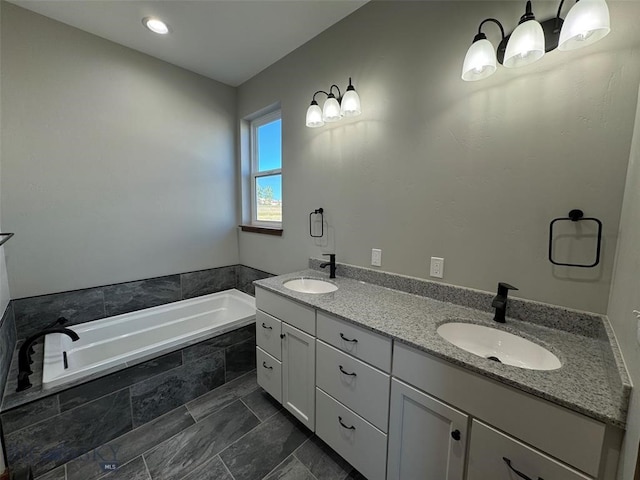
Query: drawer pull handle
(344,426)
(520,474)
(268,327)
(347,373)
(455,435)
(348,340)
(264,364)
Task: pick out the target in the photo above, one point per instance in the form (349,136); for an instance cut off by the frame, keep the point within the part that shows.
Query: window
(266,170)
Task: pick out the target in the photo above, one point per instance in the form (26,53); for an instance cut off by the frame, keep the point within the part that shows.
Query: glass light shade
(586,23)
(480,61)
(525,46)
(350,105)
(331,110)
(314,116)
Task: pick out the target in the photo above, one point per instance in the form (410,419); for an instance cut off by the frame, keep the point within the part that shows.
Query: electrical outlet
(376,257)
(437,267)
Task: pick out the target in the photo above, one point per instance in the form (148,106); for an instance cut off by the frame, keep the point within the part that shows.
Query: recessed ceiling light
(155,25)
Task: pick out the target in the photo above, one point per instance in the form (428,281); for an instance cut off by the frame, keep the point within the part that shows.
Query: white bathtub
(113,343)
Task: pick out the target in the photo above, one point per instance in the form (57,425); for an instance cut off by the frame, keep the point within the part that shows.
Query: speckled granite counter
(586,383)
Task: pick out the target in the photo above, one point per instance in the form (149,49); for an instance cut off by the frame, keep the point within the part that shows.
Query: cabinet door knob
(282,335)
(520,474)
(345,426)
(455,435)
(268,327)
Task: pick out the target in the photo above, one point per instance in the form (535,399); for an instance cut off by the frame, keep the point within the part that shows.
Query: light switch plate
(376,257)
(437,267)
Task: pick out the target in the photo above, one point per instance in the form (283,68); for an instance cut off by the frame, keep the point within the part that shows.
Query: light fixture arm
(481,36)
(339,97)
(313,99)
(560,8)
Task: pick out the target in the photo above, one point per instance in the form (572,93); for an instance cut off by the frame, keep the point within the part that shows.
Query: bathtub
(114,343)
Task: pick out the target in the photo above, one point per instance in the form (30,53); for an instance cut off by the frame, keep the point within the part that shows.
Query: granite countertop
(585,382)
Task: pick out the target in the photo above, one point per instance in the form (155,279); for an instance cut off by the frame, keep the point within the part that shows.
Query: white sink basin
(500,346)
(310,285)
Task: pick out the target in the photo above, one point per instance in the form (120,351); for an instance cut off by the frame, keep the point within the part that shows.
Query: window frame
(254,174)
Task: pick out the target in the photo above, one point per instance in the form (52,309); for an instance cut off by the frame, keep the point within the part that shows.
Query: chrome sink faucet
(331,263)
(500,301)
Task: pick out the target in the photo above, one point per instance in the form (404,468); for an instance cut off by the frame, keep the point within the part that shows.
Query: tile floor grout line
(144,460)
(240,438)
(249,408)
(313,477)
(225,467)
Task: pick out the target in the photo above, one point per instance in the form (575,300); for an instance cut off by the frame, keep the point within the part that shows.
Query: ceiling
(227,40)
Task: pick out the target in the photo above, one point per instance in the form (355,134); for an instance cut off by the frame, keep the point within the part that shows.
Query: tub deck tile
(219,398)
(162,393)
(265,447)
(53,442)
(116,381)
(190,449)
(131,296)
(130,445)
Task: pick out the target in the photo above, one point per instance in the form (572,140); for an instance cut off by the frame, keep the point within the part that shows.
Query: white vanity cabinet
(285,352)
(427,438)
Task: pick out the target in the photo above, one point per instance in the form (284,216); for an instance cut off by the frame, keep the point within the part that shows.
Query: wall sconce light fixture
(347,105)
(586,23)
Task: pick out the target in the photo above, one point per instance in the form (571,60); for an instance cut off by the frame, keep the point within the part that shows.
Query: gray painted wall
(472,172)
(5,296)
(625,298)
(115,166)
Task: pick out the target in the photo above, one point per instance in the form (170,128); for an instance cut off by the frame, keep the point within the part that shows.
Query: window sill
(264,230)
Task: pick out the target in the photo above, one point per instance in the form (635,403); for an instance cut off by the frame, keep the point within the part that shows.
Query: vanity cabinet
(395,412)
(285,353)
(427,438)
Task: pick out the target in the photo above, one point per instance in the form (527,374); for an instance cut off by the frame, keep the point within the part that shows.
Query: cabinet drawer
(268,330)
(355,439)
(357,341)
(572,438)
(490,450)
(360,387)
(300,316)
(269,372)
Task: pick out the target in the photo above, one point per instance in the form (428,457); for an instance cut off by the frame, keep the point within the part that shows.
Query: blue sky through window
(270,155)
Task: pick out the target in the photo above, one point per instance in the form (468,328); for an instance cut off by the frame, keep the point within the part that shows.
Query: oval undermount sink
(499,346)
(310,285)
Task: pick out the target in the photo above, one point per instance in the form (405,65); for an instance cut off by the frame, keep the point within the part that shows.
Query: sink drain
(495,359)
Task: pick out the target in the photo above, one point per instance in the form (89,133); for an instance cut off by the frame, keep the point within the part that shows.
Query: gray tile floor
(235,432)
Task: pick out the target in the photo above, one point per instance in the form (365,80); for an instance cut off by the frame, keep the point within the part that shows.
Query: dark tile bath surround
(50,431)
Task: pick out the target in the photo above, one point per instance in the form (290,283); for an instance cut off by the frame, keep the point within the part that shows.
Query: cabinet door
(427,438)
(299,374)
